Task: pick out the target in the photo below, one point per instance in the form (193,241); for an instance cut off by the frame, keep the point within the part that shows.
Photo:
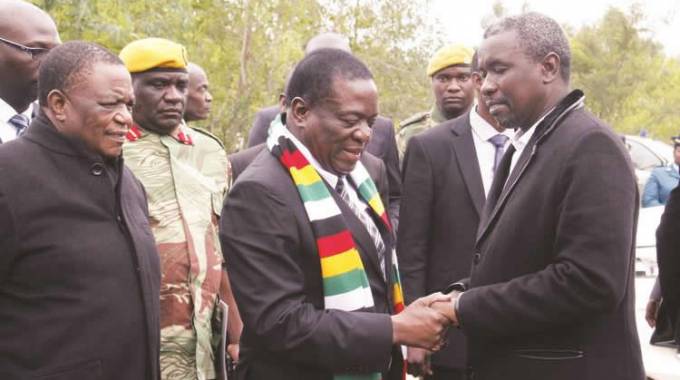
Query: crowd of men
(501,247)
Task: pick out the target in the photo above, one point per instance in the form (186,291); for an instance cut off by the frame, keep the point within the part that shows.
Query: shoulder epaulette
(421,116)
(204,132)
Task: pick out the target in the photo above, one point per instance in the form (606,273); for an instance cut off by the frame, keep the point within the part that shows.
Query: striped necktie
(20,122)
(367,221)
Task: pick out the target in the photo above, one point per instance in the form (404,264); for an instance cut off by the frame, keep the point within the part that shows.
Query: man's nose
(488,87)
(174,94)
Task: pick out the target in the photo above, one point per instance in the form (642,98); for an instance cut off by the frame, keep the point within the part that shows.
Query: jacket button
(97,169)
(476,258)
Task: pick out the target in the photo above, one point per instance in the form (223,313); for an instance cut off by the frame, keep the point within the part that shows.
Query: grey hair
(539,35)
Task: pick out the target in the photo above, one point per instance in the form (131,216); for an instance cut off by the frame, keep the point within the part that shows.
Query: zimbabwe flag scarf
(345,283)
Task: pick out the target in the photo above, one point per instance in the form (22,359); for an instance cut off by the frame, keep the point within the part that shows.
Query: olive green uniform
(415,124)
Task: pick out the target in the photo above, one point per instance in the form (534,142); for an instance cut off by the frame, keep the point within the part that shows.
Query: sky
(662,16)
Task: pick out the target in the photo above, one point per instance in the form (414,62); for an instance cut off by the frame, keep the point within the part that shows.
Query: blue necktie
(20,122)
(498,141)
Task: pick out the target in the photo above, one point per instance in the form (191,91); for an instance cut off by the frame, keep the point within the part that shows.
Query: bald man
(199,98)
(27,33)
(328,40)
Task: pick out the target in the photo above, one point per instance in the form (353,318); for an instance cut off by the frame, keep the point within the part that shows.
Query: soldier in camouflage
(449,70)
(185,173)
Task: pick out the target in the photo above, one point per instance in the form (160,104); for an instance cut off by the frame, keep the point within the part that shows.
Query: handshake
(424,322)
(422,326)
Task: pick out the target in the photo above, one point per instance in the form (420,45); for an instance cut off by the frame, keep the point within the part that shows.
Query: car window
(643,158)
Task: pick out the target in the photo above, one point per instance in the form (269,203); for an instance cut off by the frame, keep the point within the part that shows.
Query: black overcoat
(79,271)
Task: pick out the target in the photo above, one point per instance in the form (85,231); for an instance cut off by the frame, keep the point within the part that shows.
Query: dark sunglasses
(34,52)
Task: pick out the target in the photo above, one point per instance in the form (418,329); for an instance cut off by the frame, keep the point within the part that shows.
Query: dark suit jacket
(442,200)
(383,145)
(275,272)
(79,270)
(552,286)
(668,257)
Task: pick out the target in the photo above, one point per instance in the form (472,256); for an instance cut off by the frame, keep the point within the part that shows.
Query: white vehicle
(646,155)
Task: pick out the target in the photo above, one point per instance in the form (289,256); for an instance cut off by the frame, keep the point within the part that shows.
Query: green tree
(628,80)
(249,46)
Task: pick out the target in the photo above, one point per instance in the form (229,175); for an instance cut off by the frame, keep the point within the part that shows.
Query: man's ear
(550,67)
(299,111)
(56,103)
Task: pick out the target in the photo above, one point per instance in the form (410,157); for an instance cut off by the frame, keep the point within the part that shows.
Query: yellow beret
(151,53)
(449,55)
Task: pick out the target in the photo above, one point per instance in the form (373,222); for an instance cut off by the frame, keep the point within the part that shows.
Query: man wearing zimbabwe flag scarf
(308,242)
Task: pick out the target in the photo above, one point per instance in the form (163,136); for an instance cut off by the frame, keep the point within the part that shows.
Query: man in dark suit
(294,224)
(383,143)
(27,33)
(79,270)
(551,291)
(668,257)
(447,172)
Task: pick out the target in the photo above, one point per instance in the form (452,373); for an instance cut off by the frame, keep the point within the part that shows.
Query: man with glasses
(449,69)
(26,34)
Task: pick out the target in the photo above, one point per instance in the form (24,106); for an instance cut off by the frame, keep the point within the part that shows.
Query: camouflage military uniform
(416,124)
(186,181)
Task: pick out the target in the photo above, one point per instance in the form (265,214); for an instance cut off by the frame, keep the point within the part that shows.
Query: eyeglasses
(34,52)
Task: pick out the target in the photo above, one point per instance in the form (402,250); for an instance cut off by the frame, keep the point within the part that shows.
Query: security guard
(449,70)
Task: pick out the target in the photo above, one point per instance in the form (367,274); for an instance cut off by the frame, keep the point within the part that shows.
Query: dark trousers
(441,373)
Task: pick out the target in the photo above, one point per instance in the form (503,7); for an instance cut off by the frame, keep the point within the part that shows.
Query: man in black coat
(290,329)
(79,271)
(668,257)
(551,291)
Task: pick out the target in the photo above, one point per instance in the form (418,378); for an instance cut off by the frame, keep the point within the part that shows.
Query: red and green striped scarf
(345,283)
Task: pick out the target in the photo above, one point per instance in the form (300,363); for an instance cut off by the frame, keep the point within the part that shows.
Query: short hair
(67,64)
(312,79)
(539,35)
(474,65)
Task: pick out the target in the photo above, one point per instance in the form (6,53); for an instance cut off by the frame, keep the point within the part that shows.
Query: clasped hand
(424,322)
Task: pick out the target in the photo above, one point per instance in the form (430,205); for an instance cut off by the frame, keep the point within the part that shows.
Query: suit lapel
(572,101)
(466,157)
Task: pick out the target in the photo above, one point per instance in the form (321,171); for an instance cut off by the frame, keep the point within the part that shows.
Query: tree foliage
(249,46)
(629,82)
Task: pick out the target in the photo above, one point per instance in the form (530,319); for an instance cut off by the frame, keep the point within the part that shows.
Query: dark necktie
(20,122)
(498,142)
(367,221)
(499,179)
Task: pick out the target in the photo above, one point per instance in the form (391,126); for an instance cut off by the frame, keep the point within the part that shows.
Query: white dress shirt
(521,140)
(8,132)
(482,131)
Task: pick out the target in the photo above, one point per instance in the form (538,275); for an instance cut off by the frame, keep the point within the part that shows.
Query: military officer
(185,173)
(449,71)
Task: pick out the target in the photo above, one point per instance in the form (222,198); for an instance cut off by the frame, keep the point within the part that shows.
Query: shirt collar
(329,177)
(483,129)
(7,111)
(522,137)
(183,134)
